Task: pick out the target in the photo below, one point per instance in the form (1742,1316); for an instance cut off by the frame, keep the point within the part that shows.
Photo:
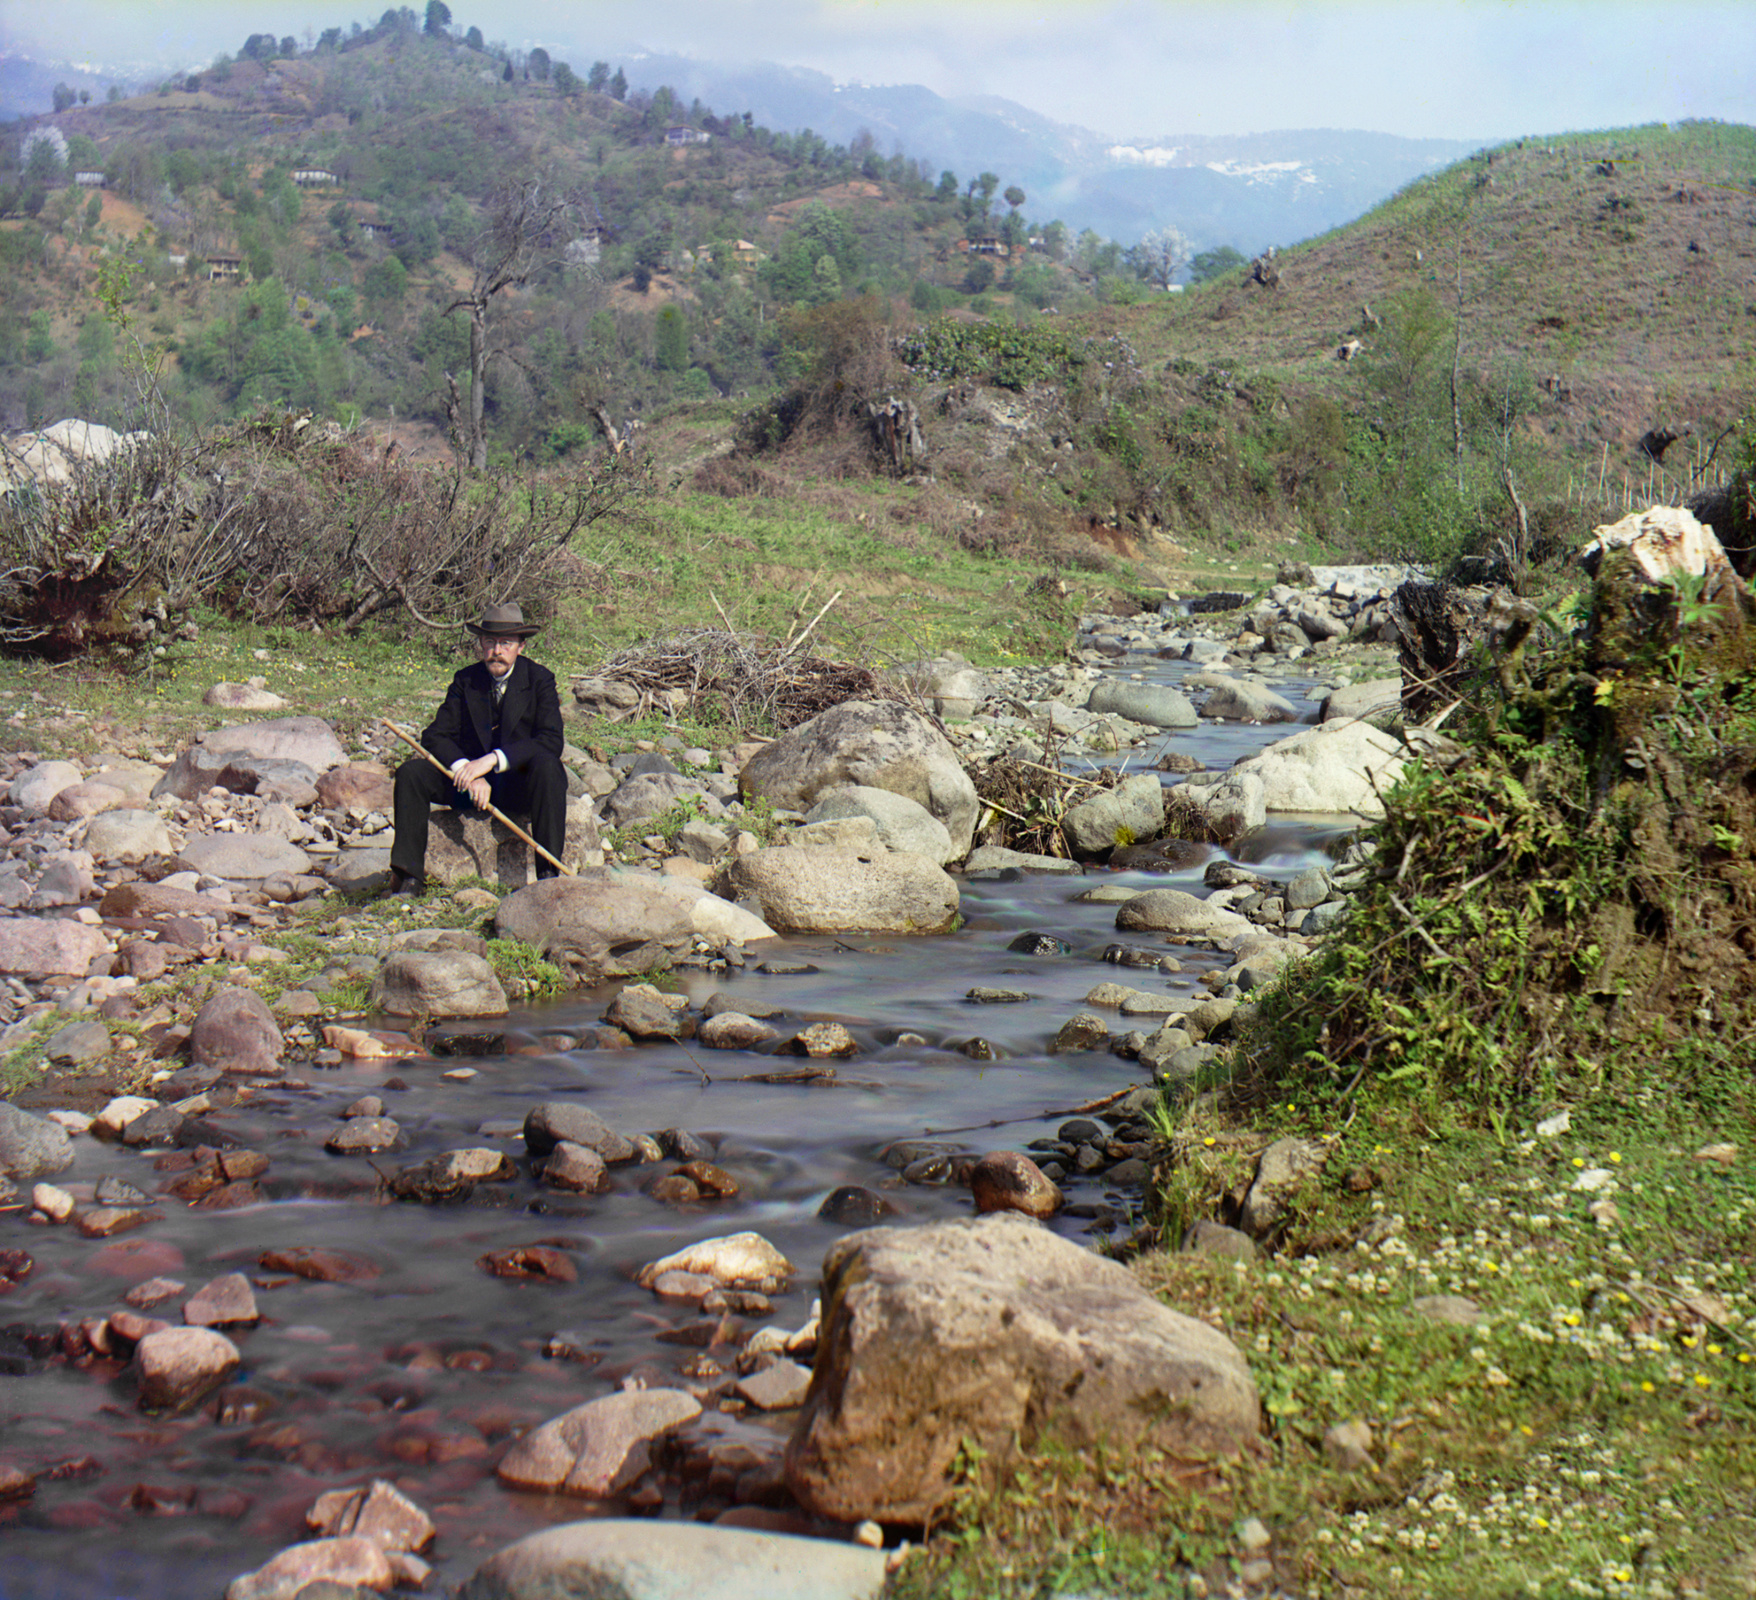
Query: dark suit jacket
(530,717)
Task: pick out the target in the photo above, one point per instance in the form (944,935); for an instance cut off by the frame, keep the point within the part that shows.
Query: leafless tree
(526,227)
(1161,255)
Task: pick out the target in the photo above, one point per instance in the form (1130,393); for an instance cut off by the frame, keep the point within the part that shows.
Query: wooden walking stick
(494,812)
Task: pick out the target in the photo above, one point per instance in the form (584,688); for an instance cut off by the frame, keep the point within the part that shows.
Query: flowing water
(421,1374)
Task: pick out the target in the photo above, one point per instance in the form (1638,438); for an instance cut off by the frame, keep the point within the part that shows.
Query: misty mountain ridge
(1246,190)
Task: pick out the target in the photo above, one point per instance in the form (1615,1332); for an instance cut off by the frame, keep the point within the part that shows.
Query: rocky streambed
(416,1292)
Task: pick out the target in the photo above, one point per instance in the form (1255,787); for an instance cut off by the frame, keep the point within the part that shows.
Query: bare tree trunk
(478,387)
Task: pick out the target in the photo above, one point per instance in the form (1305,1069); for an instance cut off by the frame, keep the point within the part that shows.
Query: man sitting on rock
(500,733)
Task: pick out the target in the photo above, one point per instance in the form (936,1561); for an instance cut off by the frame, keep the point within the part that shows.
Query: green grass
(1592,1436)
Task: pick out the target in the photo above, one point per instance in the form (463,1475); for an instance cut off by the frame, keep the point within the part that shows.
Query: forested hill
(299,219)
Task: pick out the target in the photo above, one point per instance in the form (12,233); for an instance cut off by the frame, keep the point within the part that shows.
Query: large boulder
(1336,766)
(650,794)
(1184,915)
(880,744)
(997,1332)
(236,1032)
(309,740)
(33,790)
(127,835)
(437,984)
(1378,701)
(709,915)
(600,924)
(1231,803)
(1132,811)
(48,947)
(600,1448)
(471,844)
(1154,705)
(352,1566)
(31,1146)
(621,1557)
(904,825)
(200,768)
(1240,700)
(949,684)
(246,857)
(837,891)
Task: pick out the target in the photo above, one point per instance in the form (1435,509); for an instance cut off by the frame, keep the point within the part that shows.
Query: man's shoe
(405,884)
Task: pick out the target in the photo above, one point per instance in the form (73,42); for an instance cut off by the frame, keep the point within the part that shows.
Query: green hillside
(1535,338)
(679,236)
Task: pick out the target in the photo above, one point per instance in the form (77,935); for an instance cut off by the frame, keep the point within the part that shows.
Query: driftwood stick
(793,644)
(493,811)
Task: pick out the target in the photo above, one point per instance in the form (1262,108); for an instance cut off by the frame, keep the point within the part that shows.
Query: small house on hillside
(89,180)
(225,267)
(376,230)
(745,253)
(314,178)
(987,244)
(685,135)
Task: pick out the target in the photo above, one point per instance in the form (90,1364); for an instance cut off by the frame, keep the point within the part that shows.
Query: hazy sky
(1444,68)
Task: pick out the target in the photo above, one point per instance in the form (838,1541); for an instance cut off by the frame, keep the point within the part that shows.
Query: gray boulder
(200,768)
(309,740)
(903,825)
(994,858)
(31,1146)
(1153,704)
(600,924)
(836,891)
(246,857)
(621,1559)
(1280,1170)
(136,779)
(999,1332)
(1173,911)
(880,744)
(949,685)
(437,983)
(1239,700)
(651,794)
(558,1122)
(1134,810)
(468,844)
(1232,803)
(33,790)
(127,836)
(1378,702)
(1336,766)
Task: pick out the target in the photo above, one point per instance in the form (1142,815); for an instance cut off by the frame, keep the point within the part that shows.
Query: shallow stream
(421,1374)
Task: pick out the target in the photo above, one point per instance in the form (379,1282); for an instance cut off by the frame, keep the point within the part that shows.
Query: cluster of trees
(335,315)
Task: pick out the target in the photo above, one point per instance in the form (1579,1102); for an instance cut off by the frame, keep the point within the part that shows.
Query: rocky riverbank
(201,929)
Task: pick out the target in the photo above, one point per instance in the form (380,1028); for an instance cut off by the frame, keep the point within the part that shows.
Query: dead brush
(754,683)
(1025,802)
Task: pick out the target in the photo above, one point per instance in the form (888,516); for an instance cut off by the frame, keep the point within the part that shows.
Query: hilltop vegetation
(679,235)
(519,256)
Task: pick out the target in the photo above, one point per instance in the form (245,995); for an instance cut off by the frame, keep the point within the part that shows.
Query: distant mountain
(27,86)
(1247,190)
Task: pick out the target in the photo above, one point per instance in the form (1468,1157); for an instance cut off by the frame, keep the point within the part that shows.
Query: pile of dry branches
(751,681)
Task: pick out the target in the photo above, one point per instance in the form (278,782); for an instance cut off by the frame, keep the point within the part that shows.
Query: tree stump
(1439,625)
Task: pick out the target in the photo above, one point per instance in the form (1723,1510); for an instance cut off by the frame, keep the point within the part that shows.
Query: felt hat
(502,622)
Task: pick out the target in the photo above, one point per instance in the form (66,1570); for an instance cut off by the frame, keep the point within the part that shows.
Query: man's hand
(472,778)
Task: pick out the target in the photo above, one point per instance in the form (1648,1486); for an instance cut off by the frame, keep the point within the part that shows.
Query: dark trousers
(539,791)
